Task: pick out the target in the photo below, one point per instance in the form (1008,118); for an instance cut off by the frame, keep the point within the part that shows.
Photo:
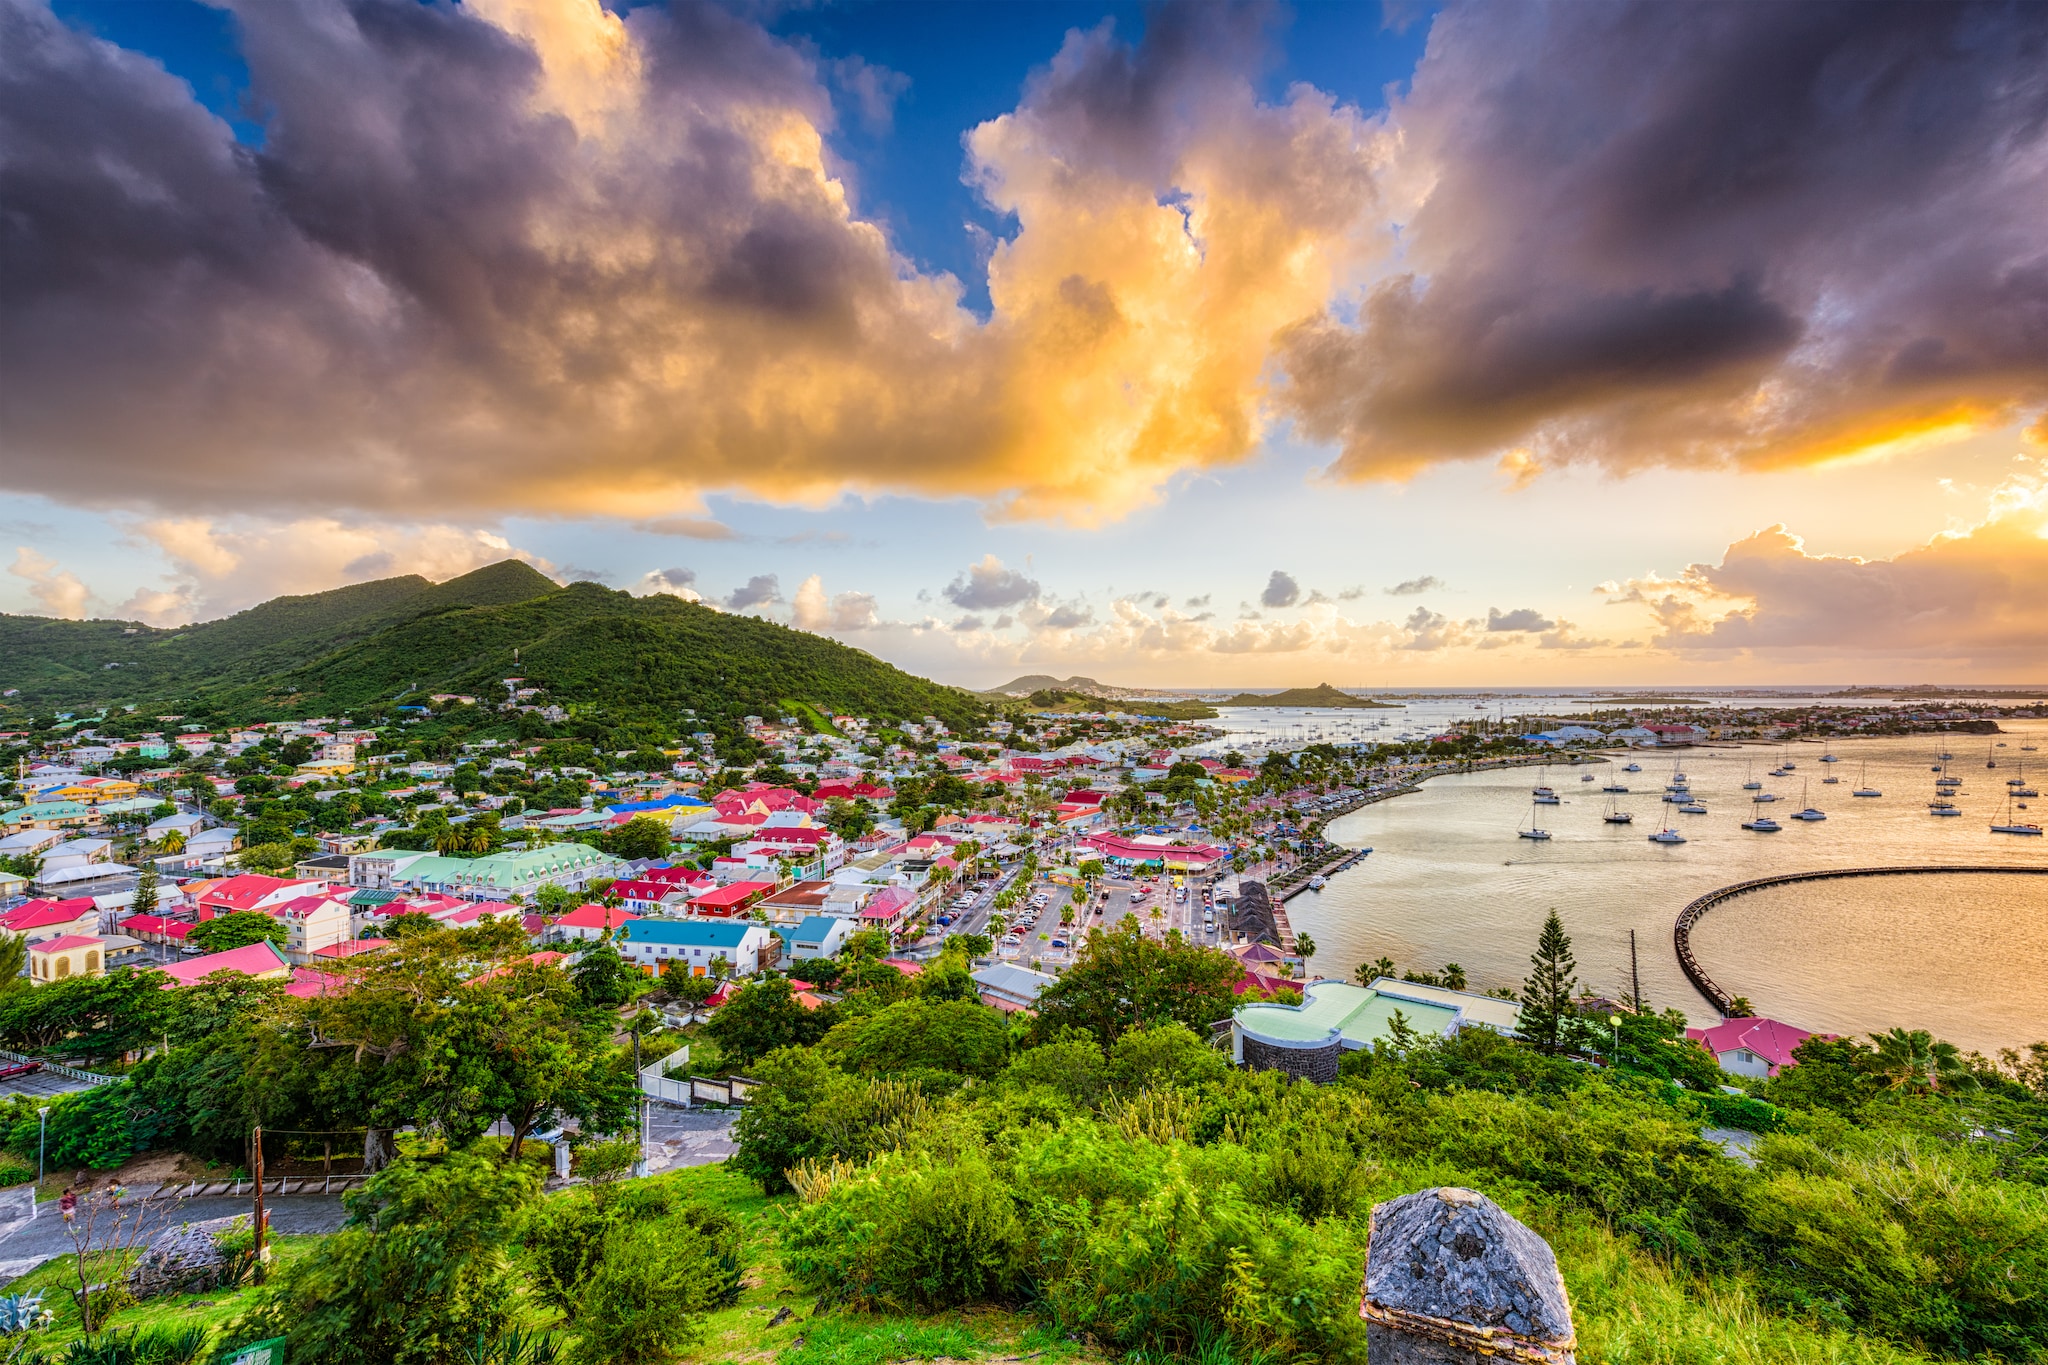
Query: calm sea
(1964,956)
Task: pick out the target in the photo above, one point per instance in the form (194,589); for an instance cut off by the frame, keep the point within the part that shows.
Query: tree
(13,960)
(414,1276)
(679,984)
(145,892)
(1916,1061)
(643,838)
(1550,1015)
(602,977)
(236,930)
(1369,972)
(554,900)
(1454,976)
(762,1016)
(961,1036)
(1306,946)
(1122,979)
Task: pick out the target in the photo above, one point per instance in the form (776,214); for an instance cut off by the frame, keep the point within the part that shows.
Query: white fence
(654,1081)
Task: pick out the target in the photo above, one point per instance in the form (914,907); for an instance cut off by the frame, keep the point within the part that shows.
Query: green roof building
(1334,1017)
(503,875)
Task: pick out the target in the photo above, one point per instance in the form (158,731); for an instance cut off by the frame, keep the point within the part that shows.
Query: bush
(96,1129)
(416,1274)
(910,1236)
(15,1173)
(647,1293)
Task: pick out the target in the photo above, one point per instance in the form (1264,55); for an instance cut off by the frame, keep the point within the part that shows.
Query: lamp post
(42,1146)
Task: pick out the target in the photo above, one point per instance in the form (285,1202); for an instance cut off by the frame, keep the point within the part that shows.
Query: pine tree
(1550,1019)
(145,892)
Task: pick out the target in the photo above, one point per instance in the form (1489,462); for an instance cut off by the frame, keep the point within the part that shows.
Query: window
(92,961)
(63,967)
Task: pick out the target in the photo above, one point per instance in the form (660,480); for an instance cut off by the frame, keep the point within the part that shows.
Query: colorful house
(1751,1047)
(263,961)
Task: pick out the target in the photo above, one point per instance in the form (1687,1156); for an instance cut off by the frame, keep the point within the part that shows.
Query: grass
(58,1280)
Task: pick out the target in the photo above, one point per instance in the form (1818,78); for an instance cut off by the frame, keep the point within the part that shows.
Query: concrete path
(26,1244)
(685,1137)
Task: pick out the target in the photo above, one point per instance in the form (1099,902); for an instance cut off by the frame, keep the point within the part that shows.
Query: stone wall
(1318,1064)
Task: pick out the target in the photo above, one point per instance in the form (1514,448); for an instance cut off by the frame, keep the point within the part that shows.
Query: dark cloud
(494,259)
(1698,233)
(1281,591)
(1415,587)
(989,586)
(968,623)
(762,590)
(1522,618)
(1195,603)
(674,581)
(1068,618)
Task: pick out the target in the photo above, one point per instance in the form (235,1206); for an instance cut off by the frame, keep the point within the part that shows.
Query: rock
(183,1259)
(1451,1278)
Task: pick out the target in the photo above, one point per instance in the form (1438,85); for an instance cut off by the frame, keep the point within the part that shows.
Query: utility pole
(1635,980)
(257,1138)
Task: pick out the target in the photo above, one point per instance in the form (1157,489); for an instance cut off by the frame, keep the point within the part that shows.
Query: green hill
(1322,694)
(373,642)
(1045,682)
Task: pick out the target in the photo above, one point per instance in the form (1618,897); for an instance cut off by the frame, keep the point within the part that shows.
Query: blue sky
(1200,328)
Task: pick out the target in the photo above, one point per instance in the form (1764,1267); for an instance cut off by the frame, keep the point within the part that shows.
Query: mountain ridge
(367,644)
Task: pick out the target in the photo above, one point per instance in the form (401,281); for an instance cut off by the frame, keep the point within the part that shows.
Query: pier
(1681,932)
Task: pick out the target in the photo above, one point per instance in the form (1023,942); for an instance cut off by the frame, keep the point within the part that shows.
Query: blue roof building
(653,943)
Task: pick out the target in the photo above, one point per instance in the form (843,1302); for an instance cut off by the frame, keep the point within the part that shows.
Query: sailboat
(1633,768)
(1542,790)
(1863,787)
(1829,756)
(1534,831)
(1810,813)
(1667,836)
(1749,782)
(1614,815)
(2011,826)
(1762,824)
(1989,761)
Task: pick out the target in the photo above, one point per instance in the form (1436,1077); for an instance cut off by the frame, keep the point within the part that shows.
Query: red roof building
(1751,1047)
(591,922)
(731,899)
(260,960)
(47,918)
(252,891)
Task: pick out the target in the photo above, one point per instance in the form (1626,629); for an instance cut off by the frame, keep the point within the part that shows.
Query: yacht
(1943,806)
(1781,771)
(1947,781)
(1314,883)
(1544,796)
(1616,788)
(1946,757)
(2023,791)
(1989,761)
(1585,777)
(1763,824)
(1617,817)
(1829,757)
(1762,797)
(1633,768)
(1810,813)
(2029,748)
(1672,836)
(1534,831)
(1863,787)
(1692,808)
(2012,826)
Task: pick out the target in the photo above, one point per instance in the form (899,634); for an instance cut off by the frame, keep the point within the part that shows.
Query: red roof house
(1750,1047)
(260,960)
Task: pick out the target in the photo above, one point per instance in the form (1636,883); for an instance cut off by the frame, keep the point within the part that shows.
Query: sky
(1211,345)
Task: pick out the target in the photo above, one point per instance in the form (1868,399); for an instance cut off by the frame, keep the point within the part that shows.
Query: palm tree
(1306,946)
(172,842)
(1917,1061)
(1369,972)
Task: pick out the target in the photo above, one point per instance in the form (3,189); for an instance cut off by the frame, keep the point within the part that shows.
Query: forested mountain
(375,642)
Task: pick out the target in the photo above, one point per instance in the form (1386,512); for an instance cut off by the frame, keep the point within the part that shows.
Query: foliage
(644,837)
(961,1036)
(236,930)
(417,1271)
(602,978)
(764,1015)
(1550,1015)
(94,1129)
(1122,980)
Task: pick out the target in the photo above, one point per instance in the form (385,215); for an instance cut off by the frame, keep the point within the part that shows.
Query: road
(31,1243)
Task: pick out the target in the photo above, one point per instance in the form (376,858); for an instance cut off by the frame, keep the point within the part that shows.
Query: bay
(1966,957)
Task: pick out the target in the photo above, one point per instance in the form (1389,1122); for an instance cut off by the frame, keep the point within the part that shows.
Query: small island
(1322,694)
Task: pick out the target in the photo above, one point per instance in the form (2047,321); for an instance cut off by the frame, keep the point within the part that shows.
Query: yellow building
(55,959)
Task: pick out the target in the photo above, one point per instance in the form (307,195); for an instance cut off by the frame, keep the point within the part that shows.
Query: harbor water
(1966,957)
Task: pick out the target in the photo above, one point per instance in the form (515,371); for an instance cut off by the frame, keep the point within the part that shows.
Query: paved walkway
(26,1244)
(688,1137)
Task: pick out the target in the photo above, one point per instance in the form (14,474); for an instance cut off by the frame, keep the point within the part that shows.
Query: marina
(1450,881)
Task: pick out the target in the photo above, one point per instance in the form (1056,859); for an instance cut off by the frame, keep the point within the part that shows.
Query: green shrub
(15,1173)
(645,1297)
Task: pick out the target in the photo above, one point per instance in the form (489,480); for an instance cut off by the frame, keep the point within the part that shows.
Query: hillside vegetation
(1322,694)
(406,637)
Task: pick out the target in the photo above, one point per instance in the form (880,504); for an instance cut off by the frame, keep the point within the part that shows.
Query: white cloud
(812,610)
(58,591)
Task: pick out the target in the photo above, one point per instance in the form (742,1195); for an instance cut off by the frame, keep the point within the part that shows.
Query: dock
(1681,931)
